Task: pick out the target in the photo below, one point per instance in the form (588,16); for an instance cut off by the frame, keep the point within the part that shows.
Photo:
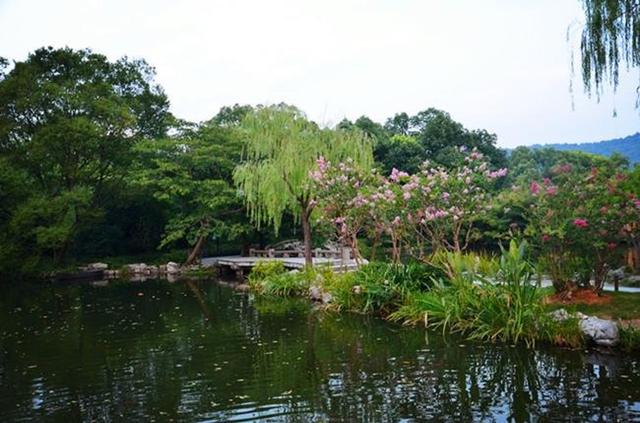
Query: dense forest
(93,165)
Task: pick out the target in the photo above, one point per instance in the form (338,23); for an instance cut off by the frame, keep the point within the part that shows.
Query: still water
(160,351)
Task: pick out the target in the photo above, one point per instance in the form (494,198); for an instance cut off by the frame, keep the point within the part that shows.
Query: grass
(507,310)
(623,305)
(482,297)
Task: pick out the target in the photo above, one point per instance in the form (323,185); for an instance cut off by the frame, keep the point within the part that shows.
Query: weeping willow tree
(610,36)
(282,147)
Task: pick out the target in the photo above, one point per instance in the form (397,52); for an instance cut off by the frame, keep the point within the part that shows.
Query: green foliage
(401,152)
(271,278)
(508,309)
(629,337)
(192,176)
(265,269)
(441,137)
(282,147)
(609,36)
(565,333)
(68,121)
(577,221)
(381,287)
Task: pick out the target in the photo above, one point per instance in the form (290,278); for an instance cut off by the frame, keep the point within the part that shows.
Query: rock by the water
(600,331)
(136,267)
(97,266)
(560,315)
(173,267)
(315,293)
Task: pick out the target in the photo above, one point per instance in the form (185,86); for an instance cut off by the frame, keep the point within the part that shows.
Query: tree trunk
(195,253)
(306,234)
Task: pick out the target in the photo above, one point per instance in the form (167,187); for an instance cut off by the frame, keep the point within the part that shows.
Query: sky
(503,66)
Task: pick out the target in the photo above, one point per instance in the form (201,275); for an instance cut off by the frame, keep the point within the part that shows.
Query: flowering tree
(343,197)
(436,207)
(579,221)
(448,203)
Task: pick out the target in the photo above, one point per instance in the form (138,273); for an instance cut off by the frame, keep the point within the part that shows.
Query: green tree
(68,121)
(402,152)
(399,124)
(192,176)
(230,116)
(282,147)
(441,137)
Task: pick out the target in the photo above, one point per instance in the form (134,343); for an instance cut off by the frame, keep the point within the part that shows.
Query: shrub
(509,309)
(381,287)
(286,284)
(629,337)
(264,269)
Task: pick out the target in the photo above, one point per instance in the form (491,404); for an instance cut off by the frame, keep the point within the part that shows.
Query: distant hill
(627,146)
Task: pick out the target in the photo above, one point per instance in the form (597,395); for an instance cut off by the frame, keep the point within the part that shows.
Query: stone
(560,315)
(173,267)
(97,266)
(111,274)
(136,267)
(600,331)
(315,293)
(357,289)
(326,298)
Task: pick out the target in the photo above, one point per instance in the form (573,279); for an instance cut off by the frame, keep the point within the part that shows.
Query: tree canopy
(68,120)
(282,147)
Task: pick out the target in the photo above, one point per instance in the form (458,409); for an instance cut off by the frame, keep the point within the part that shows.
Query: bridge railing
(317,252)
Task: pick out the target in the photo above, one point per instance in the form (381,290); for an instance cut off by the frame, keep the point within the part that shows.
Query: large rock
(600,331)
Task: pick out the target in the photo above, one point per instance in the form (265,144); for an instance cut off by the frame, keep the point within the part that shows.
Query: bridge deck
(244,262)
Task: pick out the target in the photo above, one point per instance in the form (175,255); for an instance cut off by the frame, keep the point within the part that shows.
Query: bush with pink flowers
(578,222)
(420,213)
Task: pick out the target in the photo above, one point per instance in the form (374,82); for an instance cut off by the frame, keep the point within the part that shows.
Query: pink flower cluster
(498,173)
(581,223)
(397,174)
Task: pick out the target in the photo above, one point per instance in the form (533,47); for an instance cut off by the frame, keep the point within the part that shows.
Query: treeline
(93,164)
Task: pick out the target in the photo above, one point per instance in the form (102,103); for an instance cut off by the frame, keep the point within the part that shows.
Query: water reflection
(198,351)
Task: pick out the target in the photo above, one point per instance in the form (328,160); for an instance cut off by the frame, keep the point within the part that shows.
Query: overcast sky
(498,65)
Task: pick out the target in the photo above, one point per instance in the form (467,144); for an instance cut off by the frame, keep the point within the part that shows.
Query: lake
(199,351)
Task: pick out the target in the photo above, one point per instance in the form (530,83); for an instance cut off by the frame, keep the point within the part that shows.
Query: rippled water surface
(159,351)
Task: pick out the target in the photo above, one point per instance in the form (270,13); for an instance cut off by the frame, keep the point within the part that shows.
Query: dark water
(157,351)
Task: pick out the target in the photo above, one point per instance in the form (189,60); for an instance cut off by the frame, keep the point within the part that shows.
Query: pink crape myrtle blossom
(581,223)
(498,173)
(534,188)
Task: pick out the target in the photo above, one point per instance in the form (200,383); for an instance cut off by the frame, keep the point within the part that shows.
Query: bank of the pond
(199,351)
(457,297)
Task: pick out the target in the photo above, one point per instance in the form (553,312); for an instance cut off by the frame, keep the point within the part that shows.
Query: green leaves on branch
(281,148)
